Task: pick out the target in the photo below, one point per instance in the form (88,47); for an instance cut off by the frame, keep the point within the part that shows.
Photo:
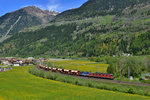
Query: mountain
(93,8)
(124,30)
(23,18)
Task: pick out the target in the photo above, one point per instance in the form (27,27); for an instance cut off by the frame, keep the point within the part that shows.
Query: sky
(56,5)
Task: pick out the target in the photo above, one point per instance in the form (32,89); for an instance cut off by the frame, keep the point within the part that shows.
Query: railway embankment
(125,87)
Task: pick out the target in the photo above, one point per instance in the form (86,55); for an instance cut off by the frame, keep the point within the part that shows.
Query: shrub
(48,75)
(115,89)
(77,82)
(99,87)
(131,90)
(90,85)
(106,88)
(61,79)
(41,74)
(91,58)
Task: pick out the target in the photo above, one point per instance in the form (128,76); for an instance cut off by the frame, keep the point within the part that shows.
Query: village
(7,62)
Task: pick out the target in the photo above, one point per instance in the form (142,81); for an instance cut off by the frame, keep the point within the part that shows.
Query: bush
(97,59)
(61,79)
(99,87)
(147,94)
(131,90)
(77,82)
(100,59)
(115,89)
(90,85)
(68,81)
(91,58)
(146,81)
(48,76)
(41,74)
(107,88)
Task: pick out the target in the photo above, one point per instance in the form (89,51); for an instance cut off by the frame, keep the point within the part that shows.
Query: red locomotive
(102,75)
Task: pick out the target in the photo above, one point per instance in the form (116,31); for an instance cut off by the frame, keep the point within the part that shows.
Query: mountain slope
(93,8)
(23,18)
(105,35)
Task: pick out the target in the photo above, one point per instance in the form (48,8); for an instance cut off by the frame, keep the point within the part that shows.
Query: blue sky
(57,5)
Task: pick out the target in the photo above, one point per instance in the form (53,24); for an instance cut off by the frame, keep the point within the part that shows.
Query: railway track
(111,81)
(105,80)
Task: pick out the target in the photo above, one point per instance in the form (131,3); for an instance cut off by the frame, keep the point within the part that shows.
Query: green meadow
(18,84)
(81,65)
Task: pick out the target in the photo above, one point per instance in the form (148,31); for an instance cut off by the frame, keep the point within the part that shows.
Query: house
(5,62)
(16,64)
(30,58)
(126,54)
(146,76)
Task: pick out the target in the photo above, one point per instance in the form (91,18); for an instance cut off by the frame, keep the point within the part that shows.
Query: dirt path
(11,27)
(111,81)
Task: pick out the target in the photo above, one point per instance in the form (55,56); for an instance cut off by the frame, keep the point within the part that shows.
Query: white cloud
(53,5)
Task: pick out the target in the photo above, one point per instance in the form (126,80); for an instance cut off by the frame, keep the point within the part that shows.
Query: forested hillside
(94,8)
(126,31)
(16,21)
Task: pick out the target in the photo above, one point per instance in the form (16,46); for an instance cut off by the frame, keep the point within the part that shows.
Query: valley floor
(18,84)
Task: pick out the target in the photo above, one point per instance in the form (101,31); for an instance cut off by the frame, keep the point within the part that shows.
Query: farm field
(81,65)
(18,84)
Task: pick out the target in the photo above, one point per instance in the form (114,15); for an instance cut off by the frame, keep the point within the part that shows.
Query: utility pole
(120,72)
(128,72)
(99,69)
(96,68)
(76,66)
(42,63)
(89,68)
(53,64)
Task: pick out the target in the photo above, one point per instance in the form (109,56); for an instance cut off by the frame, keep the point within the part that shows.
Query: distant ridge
(30,16)
(93,8)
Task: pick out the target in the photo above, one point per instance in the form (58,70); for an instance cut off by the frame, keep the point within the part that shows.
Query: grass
(146,81)
(18,84)
(81,65)
(142,21)
(125,88)
(105,20)
(100,20)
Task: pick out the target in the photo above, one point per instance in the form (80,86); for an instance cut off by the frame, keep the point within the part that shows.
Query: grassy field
(18,84)
(81,65)
(99,84)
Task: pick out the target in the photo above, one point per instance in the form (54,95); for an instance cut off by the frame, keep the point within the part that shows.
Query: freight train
(78,73)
